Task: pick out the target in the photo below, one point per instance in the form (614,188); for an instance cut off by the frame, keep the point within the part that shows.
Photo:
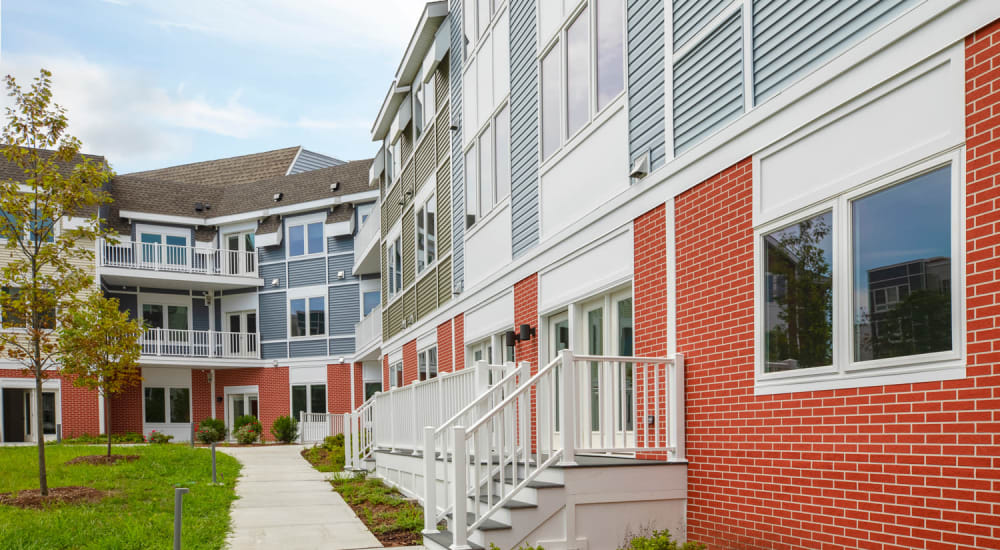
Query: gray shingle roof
(232,170)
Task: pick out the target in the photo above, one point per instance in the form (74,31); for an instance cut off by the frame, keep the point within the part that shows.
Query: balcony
(199,344)
(368,334)
(171,266)
(366,244)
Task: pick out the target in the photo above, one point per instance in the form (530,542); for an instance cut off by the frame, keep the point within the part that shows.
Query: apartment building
(724,267)
(241,269)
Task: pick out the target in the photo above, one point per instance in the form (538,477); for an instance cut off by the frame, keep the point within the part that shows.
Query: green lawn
(139,515)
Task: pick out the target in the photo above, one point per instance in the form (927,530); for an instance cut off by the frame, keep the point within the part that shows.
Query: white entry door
(241,404)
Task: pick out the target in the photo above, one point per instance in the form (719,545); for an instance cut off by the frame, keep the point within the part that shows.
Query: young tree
(48,221)
(99,344)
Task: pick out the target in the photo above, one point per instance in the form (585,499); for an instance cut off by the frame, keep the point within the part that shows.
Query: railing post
(430,482)
(460,462)
(677,424)
(416,417)
(302,424)
(348,447)
(481,379)
(567,402)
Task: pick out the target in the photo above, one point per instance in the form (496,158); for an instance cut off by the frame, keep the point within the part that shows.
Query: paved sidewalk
(287,505)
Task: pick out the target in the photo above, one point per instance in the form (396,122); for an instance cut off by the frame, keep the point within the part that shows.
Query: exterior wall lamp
(522,334)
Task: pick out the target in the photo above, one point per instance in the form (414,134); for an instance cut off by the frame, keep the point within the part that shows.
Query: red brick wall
(126,411)
(359,385)
(385,373)
(79,407)
(338,387)
(526,313)
(650,311)
(273,399)
(459,360)
(409,362)
(201,395)
(445,347)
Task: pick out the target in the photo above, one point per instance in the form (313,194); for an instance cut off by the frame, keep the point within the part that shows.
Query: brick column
(445,346)
(409,361)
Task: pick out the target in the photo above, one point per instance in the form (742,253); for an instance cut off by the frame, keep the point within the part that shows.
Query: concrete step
(442,541)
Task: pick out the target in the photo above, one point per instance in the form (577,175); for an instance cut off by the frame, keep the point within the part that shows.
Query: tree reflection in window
(799,295)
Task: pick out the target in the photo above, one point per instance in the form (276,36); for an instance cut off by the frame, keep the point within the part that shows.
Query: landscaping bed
(391,517)
(328,456)
(125,505)
(102,459)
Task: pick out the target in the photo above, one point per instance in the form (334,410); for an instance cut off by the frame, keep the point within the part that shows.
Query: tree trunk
(43,483)
(107,421)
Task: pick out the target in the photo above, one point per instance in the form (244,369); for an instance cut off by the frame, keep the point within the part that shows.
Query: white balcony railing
(209,344)
(369,329)
(177,259)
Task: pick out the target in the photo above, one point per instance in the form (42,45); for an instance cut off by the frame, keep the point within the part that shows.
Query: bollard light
(178,512)
(213,462)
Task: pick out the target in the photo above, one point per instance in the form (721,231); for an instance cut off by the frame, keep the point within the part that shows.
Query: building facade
(797,197)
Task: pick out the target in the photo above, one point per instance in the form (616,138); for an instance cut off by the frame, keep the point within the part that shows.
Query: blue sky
(156,83)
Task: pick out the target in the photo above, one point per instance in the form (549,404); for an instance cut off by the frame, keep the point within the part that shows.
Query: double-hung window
(396,374)
(864,283)
(427,364)
(426,220)
(582,71)
(307,316)
(305,238)
(394,261)
(487,168)
(167,405)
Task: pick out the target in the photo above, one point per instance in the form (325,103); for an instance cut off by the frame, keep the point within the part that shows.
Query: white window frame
(498,200)
(305,222)
(306,293)
(395,371)
(165,300)
(393,237)
(558,41)
(845,372)
(166,405)
(423,364)
(496,6)
(420,210)
(308,386)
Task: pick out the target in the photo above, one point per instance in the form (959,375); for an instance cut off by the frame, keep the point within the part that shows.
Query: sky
(154,83)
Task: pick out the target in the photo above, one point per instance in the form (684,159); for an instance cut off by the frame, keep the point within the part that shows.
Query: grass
(327,457)
(385,511)
(140,512)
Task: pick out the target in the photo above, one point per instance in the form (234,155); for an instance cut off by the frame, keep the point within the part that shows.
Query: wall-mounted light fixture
(275,282)
(406,198)
(510,338)
(522,334)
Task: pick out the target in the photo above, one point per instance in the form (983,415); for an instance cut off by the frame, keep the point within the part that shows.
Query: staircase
(494,465)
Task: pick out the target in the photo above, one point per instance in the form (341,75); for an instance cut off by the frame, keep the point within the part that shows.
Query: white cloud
(327,124)
(120,114)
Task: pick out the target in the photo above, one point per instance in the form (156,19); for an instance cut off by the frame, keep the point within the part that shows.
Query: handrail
(514,395)
(478,401)
(176,258)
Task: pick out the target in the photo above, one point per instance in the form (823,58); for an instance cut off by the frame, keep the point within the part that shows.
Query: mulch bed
(102,459)
(390,538)
(32,498)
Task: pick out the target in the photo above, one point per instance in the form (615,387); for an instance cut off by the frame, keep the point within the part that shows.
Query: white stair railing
(359,434)
(584,404)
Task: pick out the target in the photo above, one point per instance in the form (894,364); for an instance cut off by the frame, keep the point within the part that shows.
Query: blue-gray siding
(456,57)
(273,253)
(307,272)
(646,86)
(270,272)
(306,348)
(274,350)
(310,160)
(344,309)
(791,38)
(199,314)
(691,16)
(523,126)
(341,262)
(337,245)
(341,345)
(126,302)
(708,84)
(273,316)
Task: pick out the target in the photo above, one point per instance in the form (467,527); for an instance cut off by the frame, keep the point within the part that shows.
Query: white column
(211,398)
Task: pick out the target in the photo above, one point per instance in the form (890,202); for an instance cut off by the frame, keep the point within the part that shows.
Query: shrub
(211,430)
(247,419)
(650,539)
(247,434)
(159,438)
(331,441)
(285,429)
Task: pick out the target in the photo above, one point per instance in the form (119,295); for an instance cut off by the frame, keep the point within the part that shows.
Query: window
(394,259)
(310,398)
(305,239)
(371,388)
(426,220)
(396,374)
(395,160)
(364,210)
(45,233)
(427,364)
(390,164)
(162,248)
(476,15)
(161,404)
(370,301)
(487,169)
(591,44)
(12,319)
(898,304)
(423,105)
(307,316)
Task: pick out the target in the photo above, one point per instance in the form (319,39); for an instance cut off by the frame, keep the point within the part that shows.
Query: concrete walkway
(287,505)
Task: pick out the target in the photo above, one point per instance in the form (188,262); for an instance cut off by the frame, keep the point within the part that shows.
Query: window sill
(306,256)
(857,378)
(580,136)
(489,217)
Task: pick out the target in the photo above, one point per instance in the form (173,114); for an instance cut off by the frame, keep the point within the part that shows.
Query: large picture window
(487,168)
(161,404)
(310,398)
(871,269)
(307,316)
(305,239)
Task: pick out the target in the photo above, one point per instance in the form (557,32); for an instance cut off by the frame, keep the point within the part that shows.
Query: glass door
(167,331)
(241,404)
(242,329)
(31,418)
(240,259)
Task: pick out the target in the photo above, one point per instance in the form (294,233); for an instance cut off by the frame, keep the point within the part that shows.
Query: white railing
(318,426)
(586,404)
(369,329)
(359,435)
(176,259)
(199,343)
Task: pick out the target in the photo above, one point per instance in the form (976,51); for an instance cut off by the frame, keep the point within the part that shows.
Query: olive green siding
(444,209)
(427,293)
